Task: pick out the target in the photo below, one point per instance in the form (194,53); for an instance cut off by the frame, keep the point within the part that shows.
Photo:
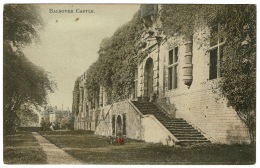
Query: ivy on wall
(118,58)
(238,68)
(119,54)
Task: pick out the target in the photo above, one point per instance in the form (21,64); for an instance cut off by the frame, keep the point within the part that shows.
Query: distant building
(54,115)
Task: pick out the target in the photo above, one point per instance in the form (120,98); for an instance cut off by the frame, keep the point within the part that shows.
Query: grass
(22,148)
(93,149)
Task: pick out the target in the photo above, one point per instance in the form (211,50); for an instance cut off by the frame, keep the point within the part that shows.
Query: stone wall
(211,116)
(133,121)
(155,132)
(201,104)
(138,126)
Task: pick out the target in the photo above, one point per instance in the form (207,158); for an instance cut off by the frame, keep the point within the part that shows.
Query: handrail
(155,119)
(163,127)
(135,108)
(163,110)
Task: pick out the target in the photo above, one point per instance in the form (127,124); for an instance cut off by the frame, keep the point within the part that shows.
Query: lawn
(93,149)
(22,148)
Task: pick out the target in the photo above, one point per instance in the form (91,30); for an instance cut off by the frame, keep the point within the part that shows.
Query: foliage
(238,69)
(118,55)
(181,18)
(27,116)
(21,23)
(75,102)
(115,67)
(25,84)
(238,83)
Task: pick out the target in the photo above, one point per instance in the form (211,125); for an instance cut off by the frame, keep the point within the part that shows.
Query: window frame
(175,64)
(220,44)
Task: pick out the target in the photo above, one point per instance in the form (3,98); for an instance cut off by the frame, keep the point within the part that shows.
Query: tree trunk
(9,122)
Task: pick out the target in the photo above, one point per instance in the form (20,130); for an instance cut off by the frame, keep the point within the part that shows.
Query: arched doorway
(113,124)
(119,128)
(148,78)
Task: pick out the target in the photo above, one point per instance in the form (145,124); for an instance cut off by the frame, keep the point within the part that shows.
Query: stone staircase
(181,129)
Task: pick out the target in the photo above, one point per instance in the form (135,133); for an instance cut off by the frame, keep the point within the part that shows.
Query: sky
(70,41)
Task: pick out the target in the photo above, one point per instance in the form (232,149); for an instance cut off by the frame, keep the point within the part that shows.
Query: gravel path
(54,154)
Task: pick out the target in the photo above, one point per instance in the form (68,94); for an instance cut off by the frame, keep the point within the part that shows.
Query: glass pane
(170,57)
(176,50)
(175,77)
(221,53)
(214,35)
(170,78)
(213,64)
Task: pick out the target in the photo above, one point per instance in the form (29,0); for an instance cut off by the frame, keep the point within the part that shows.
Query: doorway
(119,127)
(148,78)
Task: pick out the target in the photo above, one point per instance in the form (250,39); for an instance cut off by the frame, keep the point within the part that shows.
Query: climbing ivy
(238,69)
(118,58)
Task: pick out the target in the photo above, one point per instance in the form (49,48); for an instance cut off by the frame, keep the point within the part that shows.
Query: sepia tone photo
(129,84)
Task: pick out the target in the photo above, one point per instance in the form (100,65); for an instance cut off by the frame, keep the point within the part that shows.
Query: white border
(125,2)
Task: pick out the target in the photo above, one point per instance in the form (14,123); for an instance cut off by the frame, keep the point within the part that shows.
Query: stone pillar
(156,74)
(141,81)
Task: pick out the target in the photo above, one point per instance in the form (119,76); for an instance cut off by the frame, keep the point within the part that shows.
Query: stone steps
(180,135)
(181,129)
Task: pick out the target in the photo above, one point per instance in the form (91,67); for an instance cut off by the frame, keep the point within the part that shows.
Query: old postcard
(154,84)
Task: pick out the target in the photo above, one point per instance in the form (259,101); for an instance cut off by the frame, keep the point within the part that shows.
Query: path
(54,154)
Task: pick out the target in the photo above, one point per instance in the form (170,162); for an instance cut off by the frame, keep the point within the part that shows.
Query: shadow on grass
(22,148)
(66,132)
(93,149)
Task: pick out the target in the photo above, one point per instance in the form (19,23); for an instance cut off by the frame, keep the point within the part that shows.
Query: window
(172,68)
(216,51)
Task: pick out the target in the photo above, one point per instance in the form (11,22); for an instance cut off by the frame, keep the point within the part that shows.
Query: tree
(21,22)
(25,84)
(238,82)
(238,69)
(27,116)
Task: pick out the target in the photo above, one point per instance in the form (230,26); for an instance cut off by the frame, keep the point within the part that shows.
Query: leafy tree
(25,84)
(21,23)
(238,69)
(27,116)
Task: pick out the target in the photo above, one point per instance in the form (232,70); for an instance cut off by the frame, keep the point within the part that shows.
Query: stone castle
(175,99)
